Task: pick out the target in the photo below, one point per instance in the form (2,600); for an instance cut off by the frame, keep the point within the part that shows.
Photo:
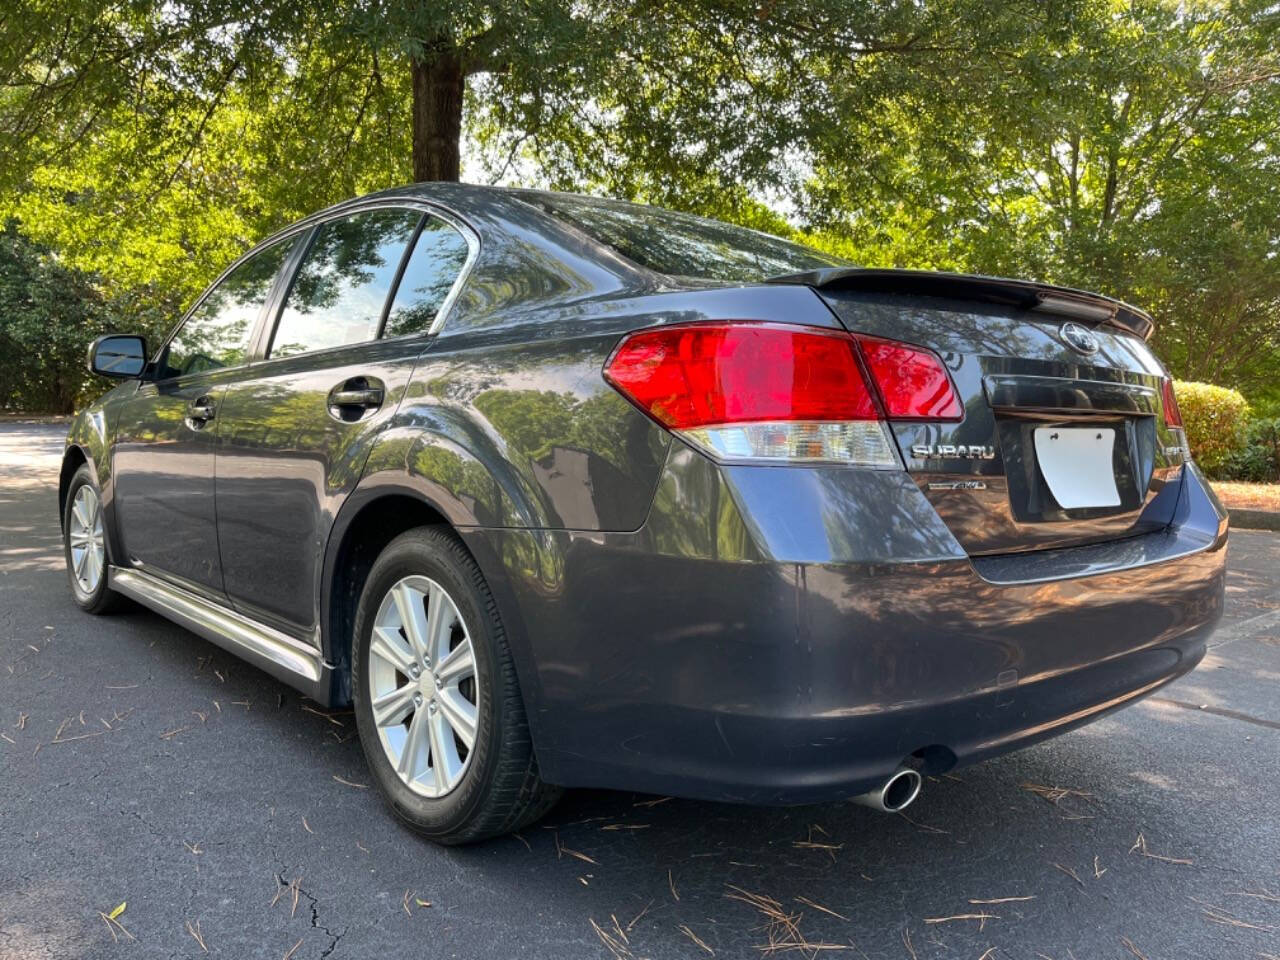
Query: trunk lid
(1062,396)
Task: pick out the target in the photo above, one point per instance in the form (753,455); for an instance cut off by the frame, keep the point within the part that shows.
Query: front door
(293,437)
(164,451)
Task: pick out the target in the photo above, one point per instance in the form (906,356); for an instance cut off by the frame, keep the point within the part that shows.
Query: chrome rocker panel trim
(280,655)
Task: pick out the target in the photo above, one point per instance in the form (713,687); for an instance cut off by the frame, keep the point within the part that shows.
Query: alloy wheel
(423,686)
(84,535)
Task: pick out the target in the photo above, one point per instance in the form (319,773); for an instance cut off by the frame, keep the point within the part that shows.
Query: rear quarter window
(439,254)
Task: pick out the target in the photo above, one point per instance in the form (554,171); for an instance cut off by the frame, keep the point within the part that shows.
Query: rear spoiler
(1042,297)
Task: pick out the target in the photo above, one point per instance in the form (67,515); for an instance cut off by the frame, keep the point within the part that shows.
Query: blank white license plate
(1076,464)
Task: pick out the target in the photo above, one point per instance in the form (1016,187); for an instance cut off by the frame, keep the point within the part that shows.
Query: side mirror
(118,356)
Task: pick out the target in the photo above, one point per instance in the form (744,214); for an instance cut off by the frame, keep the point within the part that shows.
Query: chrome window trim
(473,254)
(315,221)
(266,326)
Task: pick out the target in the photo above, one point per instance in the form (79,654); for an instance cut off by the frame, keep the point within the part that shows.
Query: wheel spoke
(444,755)
(458,665)
(438,608)
(391,708)
(412,618)
(461,714)
(95,570)
(414,746)
(390,648)
(79,510)
(85,540)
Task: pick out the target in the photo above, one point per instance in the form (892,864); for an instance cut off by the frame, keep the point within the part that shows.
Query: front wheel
(84,545)
(437,702)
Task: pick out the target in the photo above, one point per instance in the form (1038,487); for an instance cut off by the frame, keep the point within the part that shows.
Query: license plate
(1077,465)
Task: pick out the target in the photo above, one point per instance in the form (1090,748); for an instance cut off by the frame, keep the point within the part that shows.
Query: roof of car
(468,199)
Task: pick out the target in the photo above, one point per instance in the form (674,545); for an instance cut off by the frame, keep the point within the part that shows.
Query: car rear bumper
(774,635)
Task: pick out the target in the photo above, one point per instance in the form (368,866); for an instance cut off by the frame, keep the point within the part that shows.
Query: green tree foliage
(1130,147)
(1259,460)
(49,313)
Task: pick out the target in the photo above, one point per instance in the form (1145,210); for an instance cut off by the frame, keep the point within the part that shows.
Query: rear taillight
(780,393)
(913,383)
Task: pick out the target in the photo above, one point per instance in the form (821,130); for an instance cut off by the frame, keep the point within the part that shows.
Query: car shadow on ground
(992,858)
(141,764)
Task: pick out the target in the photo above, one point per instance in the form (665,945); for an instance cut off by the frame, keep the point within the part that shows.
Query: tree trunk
(437,116)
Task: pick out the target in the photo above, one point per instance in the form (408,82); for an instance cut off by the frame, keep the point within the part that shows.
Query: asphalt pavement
(140,765)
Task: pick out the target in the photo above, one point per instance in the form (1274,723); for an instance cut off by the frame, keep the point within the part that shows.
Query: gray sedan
(562,492)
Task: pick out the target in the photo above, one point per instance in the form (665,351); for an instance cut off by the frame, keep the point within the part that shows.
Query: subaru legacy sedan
(563,492)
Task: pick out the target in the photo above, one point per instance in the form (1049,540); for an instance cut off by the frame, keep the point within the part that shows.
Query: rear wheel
(85,546)
(437,702)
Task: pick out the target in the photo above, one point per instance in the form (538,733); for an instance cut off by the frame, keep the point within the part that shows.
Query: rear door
(334,360)
(163,457)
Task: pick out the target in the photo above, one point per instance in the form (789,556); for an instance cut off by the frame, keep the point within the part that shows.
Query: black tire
(500,790)
(102,599)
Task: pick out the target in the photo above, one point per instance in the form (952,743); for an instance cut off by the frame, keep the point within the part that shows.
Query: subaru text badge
(948,451)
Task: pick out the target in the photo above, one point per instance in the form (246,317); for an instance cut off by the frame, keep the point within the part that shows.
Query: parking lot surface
(140,765)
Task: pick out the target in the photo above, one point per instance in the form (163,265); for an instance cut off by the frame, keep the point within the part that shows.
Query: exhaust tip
(898,792)
(901,790)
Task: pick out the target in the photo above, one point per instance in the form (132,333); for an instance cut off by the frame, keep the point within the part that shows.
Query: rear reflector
(862,442)
(780,393)
(1172,415)
(1173,419)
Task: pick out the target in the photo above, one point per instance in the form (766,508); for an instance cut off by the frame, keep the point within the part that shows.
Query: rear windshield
(680,244)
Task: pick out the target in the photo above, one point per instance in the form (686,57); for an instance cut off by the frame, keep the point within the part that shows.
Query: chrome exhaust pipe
(898,792)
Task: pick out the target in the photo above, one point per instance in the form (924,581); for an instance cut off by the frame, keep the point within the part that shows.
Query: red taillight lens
(1172,415)
(773,392)
(720,373)
(913,383)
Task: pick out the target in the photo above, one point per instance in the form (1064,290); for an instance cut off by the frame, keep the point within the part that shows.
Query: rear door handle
(202,409)
(355,397)
(369,397)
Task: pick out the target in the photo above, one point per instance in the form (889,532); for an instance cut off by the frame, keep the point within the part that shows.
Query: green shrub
(1259,461)
(1215,419)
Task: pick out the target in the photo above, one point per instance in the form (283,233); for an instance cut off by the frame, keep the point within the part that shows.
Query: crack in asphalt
(1219,712)
(1248,629)
(334,938)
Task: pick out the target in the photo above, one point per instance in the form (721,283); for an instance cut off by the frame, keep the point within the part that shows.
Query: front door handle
(355,397)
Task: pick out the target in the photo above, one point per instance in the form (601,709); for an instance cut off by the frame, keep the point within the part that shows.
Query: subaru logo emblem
(1078,338)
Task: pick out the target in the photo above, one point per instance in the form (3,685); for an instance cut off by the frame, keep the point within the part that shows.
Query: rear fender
(397,468)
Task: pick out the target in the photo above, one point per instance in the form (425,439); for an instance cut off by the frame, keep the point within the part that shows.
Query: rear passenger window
(438,257)
(339,292)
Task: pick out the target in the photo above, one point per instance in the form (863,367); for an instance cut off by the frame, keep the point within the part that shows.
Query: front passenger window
(217,333)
